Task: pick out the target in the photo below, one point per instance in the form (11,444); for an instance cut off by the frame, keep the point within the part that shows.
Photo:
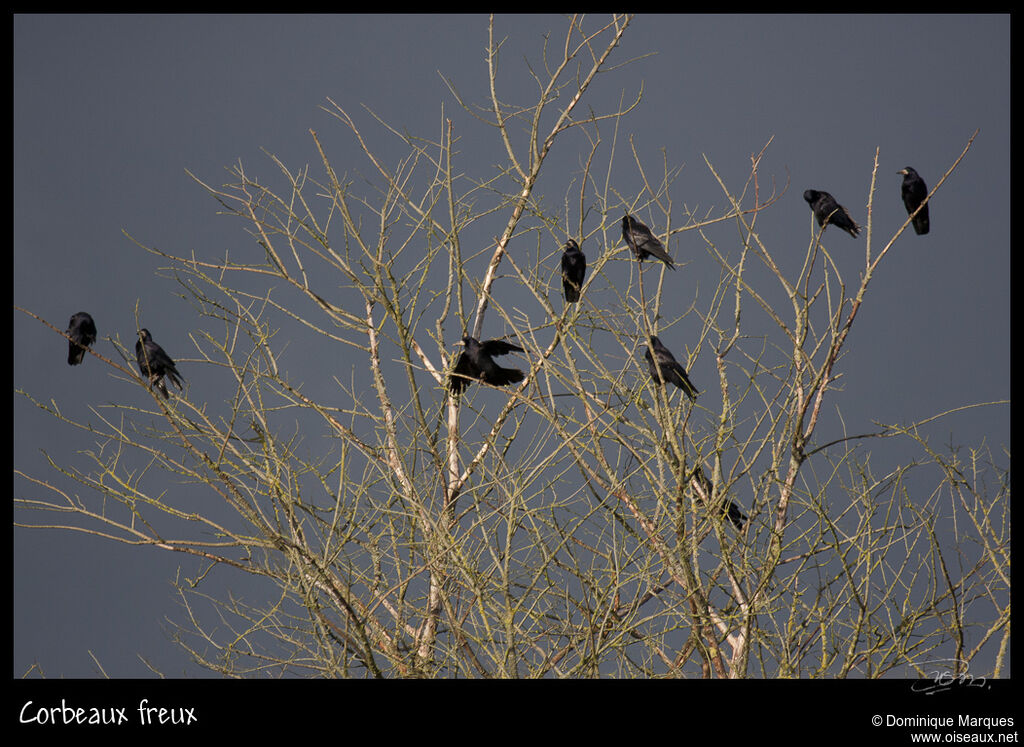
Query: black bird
(475,361)
(82,331)
(671,371)
(574,268)
(729,508)
(826,209)
(643,243)
(914,191)
(154,363)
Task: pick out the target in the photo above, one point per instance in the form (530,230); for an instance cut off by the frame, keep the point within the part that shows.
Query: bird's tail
(173,376)
(159,384)
(690,389)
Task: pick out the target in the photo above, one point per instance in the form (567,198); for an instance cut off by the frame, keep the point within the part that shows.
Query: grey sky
(109,112)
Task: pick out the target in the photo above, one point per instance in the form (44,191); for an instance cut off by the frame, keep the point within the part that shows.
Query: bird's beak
(902,171)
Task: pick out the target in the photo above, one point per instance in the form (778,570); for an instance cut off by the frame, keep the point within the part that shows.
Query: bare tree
(575,524)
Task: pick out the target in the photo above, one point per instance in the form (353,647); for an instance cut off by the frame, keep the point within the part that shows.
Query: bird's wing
(499,347)
(499,376)
(158,356)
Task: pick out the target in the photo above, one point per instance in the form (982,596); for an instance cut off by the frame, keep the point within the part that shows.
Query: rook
(827,210)
(671,371)
(154,363)
(643,243)
(574,268)
(82,331)
(914,191)
(729,507)
(475,362)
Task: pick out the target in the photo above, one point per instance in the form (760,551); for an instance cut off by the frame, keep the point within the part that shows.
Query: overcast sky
(110,111)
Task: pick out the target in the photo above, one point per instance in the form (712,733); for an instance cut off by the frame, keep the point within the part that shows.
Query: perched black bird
(475,361)
(671,371)
(729,508)
(826,209)
(914,191)
(82,331)
(154,363)
(574,268)
(643,243)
